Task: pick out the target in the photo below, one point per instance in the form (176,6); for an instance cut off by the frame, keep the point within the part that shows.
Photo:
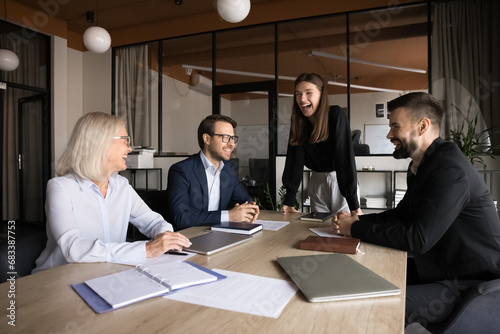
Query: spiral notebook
(116,290)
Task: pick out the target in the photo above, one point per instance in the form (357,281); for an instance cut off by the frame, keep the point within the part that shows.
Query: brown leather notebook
(330,244)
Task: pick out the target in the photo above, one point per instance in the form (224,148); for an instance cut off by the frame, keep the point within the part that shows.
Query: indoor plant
(473,145)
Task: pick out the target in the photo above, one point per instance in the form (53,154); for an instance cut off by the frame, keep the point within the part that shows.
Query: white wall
(96,82)
(183,110)
(81,82)
(60,96)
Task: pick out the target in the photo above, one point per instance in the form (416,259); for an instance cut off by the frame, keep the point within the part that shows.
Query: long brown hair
(298,127)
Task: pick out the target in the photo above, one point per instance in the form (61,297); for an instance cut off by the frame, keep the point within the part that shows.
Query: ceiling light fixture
(366,62)
(96,39)
(9,60)
(233,11)
(283,77)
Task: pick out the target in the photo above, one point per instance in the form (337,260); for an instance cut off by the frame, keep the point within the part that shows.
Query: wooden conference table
(46,303)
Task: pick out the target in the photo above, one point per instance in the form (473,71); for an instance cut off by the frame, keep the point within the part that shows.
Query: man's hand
(166,241)
(286,209)
(342,222)
(246,212)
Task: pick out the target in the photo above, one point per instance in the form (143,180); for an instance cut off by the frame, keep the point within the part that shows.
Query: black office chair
(359,149)
(478,313)
(157,201)
(259,170)
(30,241)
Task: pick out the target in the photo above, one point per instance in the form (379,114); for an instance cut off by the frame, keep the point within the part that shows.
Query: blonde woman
(89,206)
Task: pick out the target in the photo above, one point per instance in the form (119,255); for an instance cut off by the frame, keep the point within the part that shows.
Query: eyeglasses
(127,139)
(227,138)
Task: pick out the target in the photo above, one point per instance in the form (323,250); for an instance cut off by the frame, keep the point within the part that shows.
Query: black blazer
(447,219)
(187,193)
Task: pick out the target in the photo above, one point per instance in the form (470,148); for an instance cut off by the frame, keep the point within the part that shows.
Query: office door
(34,157)
(253,107)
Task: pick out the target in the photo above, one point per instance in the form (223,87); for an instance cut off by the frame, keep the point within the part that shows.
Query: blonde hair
(86,154)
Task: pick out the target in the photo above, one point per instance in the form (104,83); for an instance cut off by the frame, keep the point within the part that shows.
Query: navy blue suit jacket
(187,193)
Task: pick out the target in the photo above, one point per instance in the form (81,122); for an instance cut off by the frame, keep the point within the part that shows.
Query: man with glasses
(201,188)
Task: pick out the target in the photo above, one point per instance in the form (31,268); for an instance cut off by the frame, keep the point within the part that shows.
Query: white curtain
(28,73)
(133,93)
(465,63)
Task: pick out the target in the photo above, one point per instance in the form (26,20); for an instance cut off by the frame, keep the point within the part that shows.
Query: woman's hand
(166,241)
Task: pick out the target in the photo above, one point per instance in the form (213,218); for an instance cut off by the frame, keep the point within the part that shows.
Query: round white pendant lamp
(96,39)
(9,61)
(233,11)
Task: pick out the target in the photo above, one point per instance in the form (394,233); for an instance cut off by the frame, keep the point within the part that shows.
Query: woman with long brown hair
(320,139)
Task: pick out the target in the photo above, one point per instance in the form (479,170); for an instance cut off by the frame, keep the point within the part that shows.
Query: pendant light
(96,39)
(233,11)
(9,61)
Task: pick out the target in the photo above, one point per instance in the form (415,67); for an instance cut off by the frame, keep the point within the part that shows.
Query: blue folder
(99,305)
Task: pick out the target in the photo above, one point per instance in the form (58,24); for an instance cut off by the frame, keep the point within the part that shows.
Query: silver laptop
(331,277)
(215,241)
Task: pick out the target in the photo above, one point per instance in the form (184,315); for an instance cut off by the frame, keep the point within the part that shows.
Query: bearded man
(447,221)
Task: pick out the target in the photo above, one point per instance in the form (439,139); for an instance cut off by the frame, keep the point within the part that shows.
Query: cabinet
(141,180)
(375,183)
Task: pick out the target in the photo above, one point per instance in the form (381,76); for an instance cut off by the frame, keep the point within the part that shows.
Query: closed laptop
(215,242)
(332,277)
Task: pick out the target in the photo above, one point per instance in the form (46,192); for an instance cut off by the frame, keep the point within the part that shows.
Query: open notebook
(123,288)
(336,277)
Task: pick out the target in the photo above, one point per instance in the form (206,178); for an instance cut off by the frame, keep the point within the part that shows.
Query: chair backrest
(479,312)
(30,242)
(157,201)
(259,170)
(356,136)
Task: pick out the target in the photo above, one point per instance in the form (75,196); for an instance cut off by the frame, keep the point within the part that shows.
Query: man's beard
(217,155)
(406,149)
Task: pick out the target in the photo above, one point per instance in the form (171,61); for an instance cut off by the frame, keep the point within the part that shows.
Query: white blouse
(85,226)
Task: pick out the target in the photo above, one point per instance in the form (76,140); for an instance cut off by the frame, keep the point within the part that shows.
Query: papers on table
(127,287)
(325,232)
(271,225)
(243,293)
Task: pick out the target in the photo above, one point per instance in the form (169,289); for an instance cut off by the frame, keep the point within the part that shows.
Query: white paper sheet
(325,232)
(271,225)
(243,293)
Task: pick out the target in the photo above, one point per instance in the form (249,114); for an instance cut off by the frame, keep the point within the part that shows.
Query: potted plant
(266,202)
(473,145)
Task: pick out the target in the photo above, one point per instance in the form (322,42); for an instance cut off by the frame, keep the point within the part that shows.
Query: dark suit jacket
(447,219)
(187,193)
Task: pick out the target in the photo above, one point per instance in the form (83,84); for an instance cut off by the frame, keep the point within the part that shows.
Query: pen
(175,253)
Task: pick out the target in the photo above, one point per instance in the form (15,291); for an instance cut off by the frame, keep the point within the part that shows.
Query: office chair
(359,149)
(478,313)
(259,170)
(157,201)
(30,242)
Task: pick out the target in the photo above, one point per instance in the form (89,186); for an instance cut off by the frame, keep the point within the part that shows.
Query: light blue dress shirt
(85,226)
(213,182)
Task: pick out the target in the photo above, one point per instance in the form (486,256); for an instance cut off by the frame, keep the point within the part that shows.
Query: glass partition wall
(367,58)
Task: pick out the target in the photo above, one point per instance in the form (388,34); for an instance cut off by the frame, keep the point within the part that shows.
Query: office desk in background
(45,302)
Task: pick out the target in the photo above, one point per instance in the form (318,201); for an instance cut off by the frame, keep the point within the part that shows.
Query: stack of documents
(398,196)
(374,201)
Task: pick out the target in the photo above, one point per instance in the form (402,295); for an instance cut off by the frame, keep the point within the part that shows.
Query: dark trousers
(432,302)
